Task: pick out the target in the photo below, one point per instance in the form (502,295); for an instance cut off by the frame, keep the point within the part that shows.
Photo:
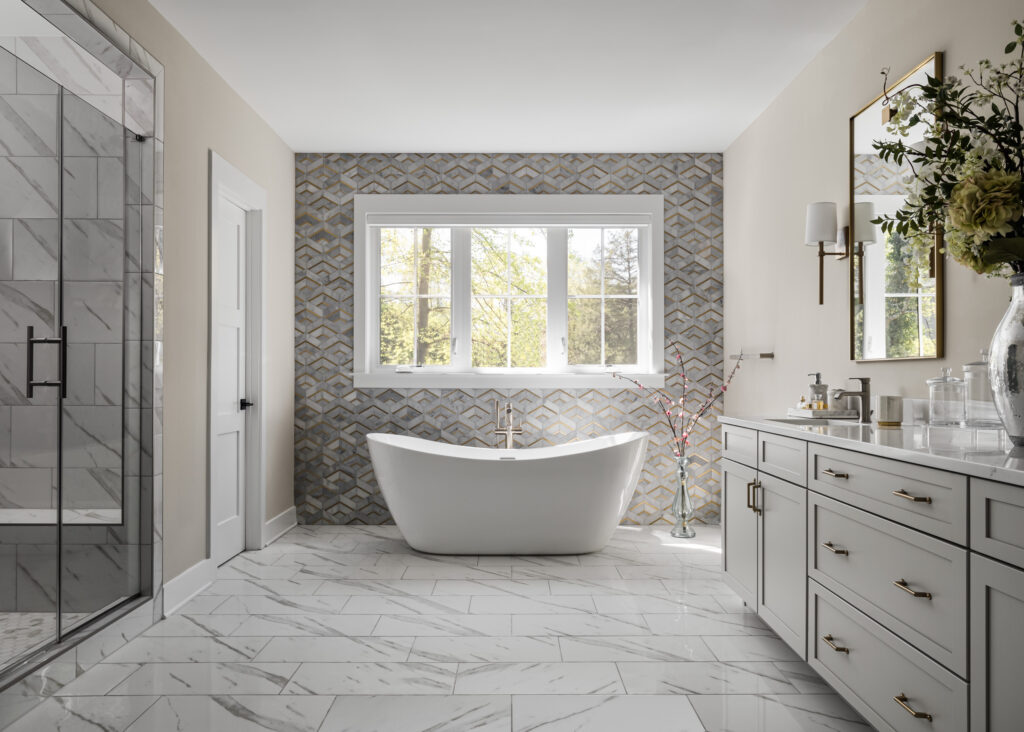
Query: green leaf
(1010,46)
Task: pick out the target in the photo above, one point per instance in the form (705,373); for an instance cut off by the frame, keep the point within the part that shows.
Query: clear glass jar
(980,409)
(946,399)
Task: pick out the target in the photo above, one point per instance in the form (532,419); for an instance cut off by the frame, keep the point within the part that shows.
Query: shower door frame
(143,84)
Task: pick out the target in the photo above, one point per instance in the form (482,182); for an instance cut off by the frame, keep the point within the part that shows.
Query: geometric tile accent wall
(873,176)
(334,480)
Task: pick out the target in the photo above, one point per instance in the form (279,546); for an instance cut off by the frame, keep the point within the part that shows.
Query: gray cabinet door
(782,588)
(739,530)
(997,645)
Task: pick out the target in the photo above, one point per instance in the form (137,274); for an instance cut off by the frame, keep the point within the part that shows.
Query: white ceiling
(508,75)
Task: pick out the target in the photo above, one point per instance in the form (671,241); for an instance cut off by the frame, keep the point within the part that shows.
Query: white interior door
(227,383)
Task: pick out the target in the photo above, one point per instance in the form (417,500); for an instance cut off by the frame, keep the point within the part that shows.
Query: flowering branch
(681,421)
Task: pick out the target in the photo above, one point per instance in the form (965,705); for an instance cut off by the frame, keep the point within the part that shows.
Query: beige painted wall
(797,152)
(202,113)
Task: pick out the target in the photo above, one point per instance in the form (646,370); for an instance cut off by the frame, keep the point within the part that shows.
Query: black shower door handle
(62,381)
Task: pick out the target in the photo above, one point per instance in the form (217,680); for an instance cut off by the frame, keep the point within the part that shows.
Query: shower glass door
(71,451)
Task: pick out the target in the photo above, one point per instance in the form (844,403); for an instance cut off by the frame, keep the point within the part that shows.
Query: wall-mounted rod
(745,356)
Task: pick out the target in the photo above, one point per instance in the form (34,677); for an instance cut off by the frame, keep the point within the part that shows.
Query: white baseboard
(187,585)
(277,526)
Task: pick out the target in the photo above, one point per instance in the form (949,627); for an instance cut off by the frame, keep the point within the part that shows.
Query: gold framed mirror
(896,289)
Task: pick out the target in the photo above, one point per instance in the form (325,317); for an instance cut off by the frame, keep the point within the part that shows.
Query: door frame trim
(229,182)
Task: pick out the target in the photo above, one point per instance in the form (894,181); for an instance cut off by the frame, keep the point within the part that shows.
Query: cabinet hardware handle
(830,642)
(901,699)
(757,484)
(833,474)
(902,584)
(750,502)
(916,499)
(832,548)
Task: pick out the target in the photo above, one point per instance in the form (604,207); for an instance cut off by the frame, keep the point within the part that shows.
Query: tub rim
(495,454)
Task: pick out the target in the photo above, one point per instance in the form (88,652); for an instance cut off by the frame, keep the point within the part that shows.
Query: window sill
(422,380)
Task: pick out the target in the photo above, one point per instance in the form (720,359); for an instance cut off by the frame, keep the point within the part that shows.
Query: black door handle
(244,404)
(62,382)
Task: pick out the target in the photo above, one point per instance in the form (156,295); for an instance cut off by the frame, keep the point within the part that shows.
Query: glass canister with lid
(980,409)
(946,399)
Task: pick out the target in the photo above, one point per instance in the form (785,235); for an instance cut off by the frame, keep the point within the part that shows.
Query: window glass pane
(528,261)
(396,331)
(434,261)
(928,326)
(433,331)
(620,331)
(489,251)
(901,336)
(621,266)
(490,332)
(584,261)
(529,333)
(396,261)
(584,332)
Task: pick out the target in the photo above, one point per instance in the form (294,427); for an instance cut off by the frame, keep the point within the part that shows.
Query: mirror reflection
(896,287)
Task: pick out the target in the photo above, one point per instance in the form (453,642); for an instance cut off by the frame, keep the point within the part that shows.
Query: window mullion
(558,299)
(462,300)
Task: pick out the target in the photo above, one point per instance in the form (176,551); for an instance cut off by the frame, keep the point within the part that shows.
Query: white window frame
(461,212)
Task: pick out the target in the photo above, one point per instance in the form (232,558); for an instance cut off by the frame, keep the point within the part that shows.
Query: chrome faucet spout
(509,431)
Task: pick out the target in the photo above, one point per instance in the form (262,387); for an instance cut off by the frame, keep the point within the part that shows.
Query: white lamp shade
(863,229)
(821,223)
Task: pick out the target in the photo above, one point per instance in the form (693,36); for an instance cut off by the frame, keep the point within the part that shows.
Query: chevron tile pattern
(334,480)
(876,177)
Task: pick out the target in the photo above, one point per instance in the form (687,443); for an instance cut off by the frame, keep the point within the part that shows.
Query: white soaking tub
(563,499)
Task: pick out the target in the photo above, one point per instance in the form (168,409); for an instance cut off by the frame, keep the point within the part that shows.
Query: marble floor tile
(701,623)
(631,604)
(281,605)
(82,713)
(803,677)
(635,648)
(560,560)
(344,572)
(372,678)
(596,573)
(482,649)
(305,625)
(200,649)
(427,625)
(207,678)
(538,678)
(457,572)
(197,624)
(420,714)
(553,604)
(573,625)
(751,648)
(518,588)
(407,605)
(700,677)
(200,605)
(777,713)
(377,587)
(257,572)
(236,713)
(100,679)
(556,713)
(608,587)
(338,649)
(234,587)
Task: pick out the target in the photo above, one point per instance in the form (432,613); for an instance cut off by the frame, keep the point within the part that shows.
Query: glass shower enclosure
(71,518)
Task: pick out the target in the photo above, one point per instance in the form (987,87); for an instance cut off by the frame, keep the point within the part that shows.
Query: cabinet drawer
(997,520)
(880,554)
(878,667)
(782,457)
(888,487)
(739,444)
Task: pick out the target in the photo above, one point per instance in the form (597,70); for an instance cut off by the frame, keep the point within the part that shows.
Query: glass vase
(1006,364)
(682,505)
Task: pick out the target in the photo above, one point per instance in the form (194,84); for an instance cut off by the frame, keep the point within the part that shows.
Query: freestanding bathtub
(565,499)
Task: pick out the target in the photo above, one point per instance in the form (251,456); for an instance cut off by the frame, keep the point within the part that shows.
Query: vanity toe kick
(896,687)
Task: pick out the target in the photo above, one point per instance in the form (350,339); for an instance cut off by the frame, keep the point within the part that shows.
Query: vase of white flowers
(966,181)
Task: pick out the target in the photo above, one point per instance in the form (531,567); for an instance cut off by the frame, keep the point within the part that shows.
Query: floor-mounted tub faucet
(507,430)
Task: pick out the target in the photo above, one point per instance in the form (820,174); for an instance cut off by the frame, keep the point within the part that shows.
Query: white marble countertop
(978,453)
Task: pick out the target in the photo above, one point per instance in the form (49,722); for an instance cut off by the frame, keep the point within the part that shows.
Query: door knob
(244,404)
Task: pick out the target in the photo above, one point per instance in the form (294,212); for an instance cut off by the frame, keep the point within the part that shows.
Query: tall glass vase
(682,505)
(1006,364)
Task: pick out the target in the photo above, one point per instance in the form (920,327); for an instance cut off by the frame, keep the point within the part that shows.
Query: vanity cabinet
(909,566)
(764,550)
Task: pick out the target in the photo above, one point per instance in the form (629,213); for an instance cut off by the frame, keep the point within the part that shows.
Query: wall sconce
(821,230)
(863,234)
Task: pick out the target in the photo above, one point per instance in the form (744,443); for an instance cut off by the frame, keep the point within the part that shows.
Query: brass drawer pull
(916,499)
(829,641)
(902,584)
(901,699)
(832,548)
(833,474)
(753,503)
(750,501)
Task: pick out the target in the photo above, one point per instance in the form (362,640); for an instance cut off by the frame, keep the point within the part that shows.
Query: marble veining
(267,646)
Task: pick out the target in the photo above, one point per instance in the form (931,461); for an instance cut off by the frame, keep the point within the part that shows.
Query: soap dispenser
(818,393)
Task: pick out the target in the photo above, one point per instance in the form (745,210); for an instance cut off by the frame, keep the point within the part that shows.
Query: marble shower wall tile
(28,187)
(35,249)
(334,481)
(28,124)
